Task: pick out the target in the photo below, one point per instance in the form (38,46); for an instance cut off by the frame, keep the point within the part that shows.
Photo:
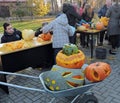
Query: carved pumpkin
(97,71)
(46,37)
(28,34)
(70,57)
(99,26)
(60,78)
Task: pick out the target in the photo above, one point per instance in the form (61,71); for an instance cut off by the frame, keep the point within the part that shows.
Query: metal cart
(80,94)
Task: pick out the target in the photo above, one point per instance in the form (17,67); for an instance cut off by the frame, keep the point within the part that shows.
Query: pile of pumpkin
(71,70)
(96,23)
(99,24)
(12,46)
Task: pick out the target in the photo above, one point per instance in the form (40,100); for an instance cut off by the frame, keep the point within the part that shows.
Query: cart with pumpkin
(70,76)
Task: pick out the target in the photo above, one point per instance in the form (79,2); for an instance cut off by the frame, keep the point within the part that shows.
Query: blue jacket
(102,11)
(17,35)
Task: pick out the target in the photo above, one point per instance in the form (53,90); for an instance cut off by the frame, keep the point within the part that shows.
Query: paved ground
(107,91)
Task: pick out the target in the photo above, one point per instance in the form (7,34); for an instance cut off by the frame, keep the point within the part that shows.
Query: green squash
(70,49)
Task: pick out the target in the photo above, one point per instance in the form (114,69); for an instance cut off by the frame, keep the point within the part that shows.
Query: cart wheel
(87,99)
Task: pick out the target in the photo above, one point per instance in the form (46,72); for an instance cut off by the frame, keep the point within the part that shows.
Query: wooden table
(91,33)
(32,54)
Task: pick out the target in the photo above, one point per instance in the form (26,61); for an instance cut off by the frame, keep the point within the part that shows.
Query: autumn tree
(40,7)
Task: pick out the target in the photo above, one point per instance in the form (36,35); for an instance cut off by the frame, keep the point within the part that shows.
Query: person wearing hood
(73,18)
(61,32)
(10,34)
(113,28)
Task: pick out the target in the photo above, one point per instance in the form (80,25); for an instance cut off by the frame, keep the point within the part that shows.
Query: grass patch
(28,24)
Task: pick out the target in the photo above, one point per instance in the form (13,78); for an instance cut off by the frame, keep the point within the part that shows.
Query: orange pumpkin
(74,61)
(97,71)
(99,26)
(46,37)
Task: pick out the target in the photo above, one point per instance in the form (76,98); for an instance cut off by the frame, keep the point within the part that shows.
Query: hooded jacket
(72,15)
(61,31)
(17,35)
(114,23)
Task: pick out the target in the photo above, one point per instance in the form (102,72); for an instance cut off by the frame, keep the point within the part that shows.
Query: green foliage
(19,12)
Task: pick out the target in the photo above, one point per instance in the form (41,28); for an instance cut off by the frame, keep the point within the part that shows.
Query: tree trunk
(54,6)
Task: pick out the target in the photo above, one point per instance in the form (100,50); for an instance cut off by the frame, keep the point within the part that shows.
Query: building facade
(7,7)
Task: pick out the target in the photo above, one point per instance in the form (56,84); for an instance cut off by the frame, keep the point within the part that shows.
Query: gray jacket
(114,14)
(61,31)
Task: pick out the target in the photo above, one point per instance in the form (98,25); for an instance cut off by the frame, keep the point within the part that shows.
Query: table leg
(98,36)
(91,43)
(3,79)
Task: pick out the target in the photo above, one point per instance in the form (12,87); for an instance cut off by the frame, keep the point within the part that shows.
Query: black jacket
(86,17)
(72,15)
(17,35)
(102,11)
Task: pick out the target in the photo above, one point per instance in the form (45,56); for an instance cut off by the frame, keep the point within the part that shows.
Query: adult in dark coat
(73,18)
(102,13)
(114,26)
(10,34)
